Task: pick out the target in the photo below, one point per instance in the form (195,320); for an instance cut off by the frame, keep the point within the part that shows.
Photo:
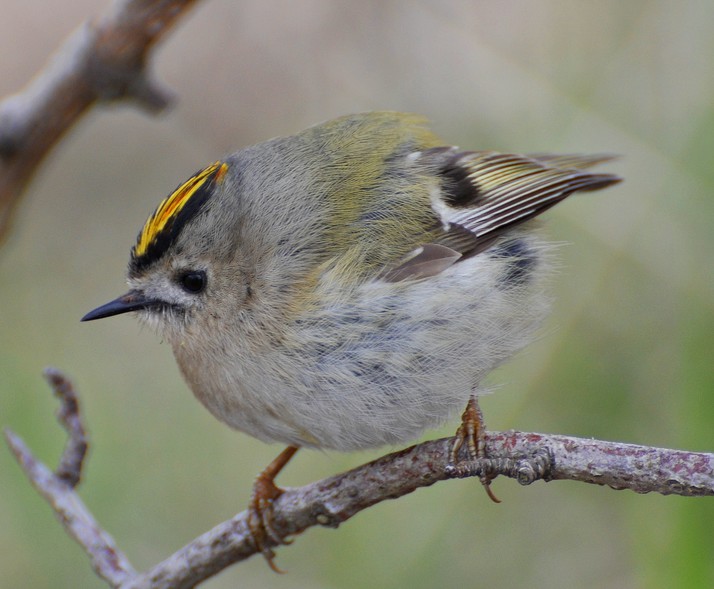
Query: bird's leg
(260,519)
(472,432)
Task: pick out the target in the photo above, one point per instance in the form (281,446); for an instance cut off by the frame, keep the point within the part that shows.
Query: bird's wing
(483,194)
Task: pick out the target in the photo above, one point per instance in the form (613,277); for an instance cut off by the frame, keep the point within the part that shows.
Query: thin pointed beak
(131,301)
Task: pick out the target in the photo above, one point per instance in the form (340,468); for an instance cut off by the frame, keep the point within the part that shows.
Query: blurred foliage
(627,354)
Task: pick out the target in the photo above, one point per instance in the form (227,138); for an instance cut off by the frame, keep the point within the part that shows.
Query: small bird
(349,286)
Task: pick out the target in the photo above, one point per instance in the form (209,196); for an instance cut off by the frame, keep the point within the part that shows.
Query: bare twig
(524,456)
(102,61)
(71,462)
(642,469)
(334,500)
(58,487)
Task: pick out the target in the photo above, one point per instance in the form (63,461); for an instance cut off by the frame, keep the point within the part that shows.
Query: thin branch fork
(103,61)
(58,487)
(524,456)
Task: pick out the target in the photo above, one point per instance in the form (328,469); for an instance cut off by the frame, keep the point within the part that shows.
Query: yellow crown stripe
(172,205)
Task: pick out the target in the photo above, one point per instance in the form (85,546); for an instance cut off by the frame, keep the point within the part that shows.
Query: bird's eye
(193,282)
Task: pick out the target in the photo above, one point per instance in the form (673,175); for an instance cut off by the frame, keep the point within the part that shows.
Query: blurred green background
(627,354)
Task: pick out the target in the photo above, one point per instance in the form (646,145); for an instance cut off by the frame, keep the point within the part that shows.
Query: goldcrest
(351,285)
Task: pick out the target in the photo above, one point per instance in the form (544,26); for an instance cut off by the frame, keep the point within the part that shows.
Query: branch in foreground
(524,456)
(72,460)
(58,487)
(103,61)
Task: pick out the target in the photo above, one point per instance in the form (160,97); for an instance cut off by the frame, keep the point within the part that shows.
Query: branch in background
(101,62)
(329,502)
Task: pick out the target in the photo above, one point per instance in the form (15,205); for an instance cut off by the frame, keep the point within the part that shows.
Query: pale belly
(376,369)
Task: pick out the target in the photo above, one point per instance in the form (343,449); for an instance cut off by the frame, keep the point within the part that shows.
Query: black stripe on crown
(171,216)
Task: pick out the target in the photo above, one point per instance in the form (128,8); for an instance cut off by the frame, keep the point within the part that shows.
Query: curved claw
(486,482)
(260,519)
(260,523)
(472,433)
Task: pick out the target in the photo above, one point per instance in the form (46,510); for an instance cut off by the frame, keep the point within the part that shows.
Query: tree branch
(58,487)
(524,456)
(101,62)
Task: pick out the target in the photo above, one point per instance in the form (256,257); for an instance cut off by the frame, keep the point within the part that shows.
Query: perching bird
(349,286)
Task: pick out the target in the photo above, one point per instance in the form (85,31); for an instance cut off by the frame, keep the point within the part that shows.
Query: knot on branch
(326,520)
